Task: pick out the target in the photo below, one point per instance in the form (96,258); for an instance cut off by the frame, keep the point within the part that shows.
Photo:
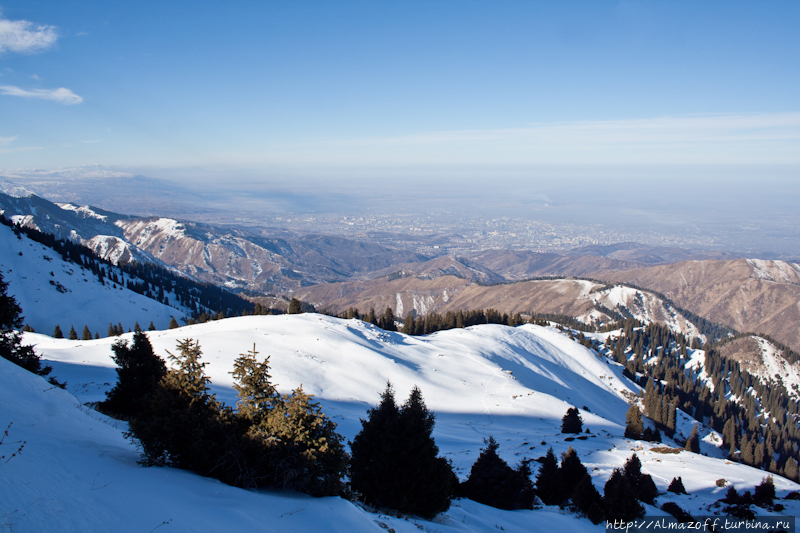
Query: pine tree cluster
(660,358)
(269,440)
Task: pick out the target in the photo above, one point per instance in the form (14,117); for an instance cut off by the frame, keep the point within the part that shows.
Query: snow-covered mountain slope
(52,291)
(66,220)
(78,474)
(571,297)
(745,294)
(646,307)
(762,358)
(119,251)
(512,383)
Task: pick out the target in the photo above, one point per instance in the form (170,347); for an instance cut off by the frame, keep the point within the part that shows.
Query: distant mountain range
(335,273)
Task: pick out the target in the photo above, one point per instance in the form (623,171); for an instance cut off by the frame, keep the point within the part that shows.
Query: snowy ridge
(51,291)
(646,307)
(778,271)
(85,211)
(512,383)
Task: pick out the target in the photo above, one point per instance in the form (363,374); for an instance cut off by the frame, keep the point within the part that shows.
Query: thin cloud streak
(24,36)
(8,140)
(735,138)
(61,95)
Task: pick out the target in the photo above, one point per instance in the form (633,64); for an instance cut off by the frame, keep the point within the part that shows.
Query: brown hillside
(746,294)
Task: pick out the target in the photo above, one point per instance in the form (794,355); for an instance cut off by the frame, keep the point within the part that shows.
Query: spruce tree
(139,371)
(152,326)
(492,482)
(571,471)
(693,442)
(295,307)
(394,459)
(588,500)
(181,424)
(73,335)
(676,486)
(172,323)
(571,422)
(790,470)
(549,487)
(57,332)
(86,335)
(620,499)
(409,326)
(256,394)
(311,453)
(764,492)
(634,427)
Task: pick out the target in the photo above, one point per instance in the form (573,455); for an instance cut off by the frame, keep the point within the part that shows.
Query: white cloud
(20,149)
(24,36)
(7,140)
(61,95)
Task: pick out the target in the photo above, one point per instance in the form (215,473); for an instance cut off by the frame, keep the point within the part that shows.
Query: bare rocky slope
(749,295)
(572,297)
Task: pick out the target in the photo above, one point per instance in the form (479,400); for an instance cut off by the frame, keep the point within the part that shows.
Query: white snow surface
(77,472)
(84,210)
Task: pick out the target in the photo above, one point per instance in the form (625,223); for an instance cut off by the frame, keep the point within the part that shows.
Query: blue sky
(315,86)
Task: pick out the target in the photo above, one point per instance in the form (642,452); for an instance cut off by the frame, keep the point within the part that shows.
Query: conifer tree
(620,499)
(492,482)
(588,500)
(790,470)
(676,486)
(139,371)
(634,427)
(548,481)
(571,471)
(312,456)
(394,459)
(295,307)
(256,394)
(86,335)
(386,321)
(152,326)
(409,327)
(73,335)
(172,323)
(57,332)
(571,422)
(181,424)
(693,442)
(111,330)
(764,492)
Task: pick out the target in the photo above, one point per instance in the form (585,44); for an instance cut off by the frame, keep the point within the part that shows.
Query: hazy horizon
(676,118)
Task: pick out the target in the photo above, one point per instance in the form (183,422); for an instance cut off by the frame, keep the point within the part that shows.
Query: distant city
(460,233)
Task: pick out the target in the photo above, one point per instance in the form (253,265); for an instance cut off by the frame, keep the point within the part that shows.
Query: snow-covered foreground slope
(77,473)
(51,291)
